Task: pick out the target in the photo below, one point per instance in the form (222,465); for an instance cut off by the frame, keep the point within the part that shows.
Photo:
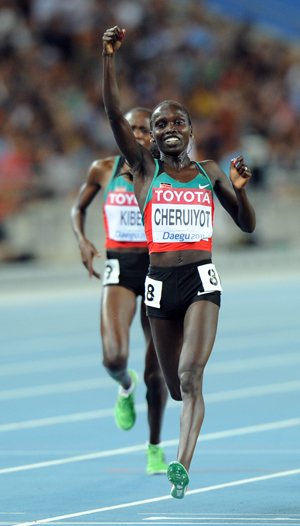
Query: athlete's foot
(179,478)
(156,462)
(124,408)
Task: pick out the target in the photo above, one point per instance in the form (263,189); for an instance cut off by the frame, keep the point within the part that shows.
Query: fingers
(90,266)
(122,34)
(114,34)
(87,260)
(241,167)
(92,272)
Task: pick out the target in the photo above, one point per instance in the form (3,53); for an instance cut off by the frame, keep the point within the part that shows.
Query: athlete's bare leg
(183,350)
(117,312)
(156,386)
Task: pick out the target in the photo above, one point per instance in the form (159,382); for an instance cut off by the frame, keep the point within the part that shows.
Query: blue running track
(65,462)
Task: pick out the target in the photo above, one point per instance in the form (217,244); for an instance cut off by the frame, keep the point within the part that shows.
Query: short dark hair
(171,103)
(140,109)
(154,150)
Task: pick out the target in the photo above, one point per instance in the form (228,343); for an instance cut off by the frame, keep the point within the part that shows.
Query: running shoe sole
(179,478)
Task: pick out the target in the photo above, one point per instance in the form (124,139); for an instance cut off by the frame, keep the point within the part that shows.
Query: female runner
(182,289)
(124,277)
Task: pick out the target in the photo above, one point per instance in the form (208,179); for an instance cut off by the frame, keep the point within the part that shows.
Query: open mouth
(172,140)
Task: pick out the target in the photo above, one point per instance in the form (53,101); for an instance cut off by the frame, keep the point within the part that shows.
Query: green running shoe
(124,408)
(179,478)
(156,462)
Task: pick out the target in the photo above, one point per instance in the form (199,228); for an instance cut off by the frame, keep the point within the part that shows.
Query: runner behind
(124,277)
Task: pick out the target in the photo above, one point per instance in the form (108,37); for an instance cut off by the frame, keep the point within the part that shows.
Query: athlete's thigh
(145,322)
(168,338)
(118,308)
(200,327)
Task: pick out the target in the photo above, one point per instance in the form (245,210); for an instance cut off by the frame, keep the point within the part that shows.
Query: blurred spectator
(241,87)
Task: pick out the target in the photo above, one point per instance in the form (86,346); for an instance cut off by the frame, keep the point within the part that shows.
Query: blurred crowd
(241,87)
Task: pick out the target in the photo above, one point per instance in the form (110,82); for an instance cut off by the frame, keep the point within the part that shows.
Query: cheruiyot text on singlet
(179,216)
(122,217)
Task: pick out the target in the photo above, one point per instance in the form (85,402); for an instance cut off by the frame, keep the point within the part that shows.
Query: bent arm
(245,215)
(85,196)
(233,196)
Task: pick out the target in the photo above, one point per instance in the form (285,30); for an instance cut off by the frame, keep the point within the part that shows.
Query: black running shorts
(127,270)
(169,291)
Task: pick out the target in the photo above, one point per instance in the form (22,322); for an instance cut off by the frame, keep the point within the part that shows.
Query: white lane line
(213,452)
(106,523)
(220,396)
(52,389)
(102,413)
(261,339)
(266,338)
(221,517)
(203,522)
(63,419)
(56,364)
(97,383)
(57,343)
(94,359)
(158,499)
(172,521)
(249,392)
(229,452)
(251,364)
(248,522)
(259,428)
(78,458)
(35,296)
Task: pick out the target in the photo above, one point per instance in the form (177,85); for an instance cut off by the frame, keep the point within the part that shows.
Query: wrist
(240,192)
(81,241)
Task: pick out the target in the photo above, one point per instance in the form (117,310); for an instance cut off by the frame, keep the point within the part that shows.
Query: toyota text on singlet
(179,216)
(122,217)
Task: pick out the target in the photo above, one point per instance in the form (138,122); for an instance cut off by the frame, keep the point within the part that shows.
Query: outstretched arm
(84,198)
(233,196)
(131,149)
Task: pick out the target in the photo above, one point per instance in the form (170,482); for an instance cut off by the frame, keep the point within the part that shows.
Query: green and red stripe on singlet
(179,216)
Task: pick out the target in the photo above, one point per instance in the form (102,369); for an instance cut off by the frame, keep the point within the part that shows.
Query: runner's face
(140,125)
(171,129)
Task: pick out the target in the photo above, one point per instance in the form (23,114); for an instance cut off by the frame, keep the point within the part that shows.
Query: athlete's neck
(178,162)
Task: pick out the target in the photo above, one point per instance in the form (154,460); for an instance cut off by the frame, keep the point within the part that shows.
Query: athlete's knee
(114,361)
(191,381)
(153,378)
(115,351)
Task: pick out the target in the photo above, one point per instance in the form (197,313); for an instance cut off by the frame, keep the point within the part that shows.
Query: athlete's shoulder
(101,170)
(207,163)
(211,167)
(214,172)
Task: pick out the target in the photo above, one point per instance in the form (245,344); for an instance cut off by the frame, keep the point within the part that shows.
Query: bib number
(111,272)
(153,290)
(209,277)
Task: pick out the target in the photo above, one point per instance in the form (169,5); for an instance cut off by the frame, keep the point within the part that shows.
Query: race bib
(111,272)
(153,290)
(209,277)
(123,217)
(181,215)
